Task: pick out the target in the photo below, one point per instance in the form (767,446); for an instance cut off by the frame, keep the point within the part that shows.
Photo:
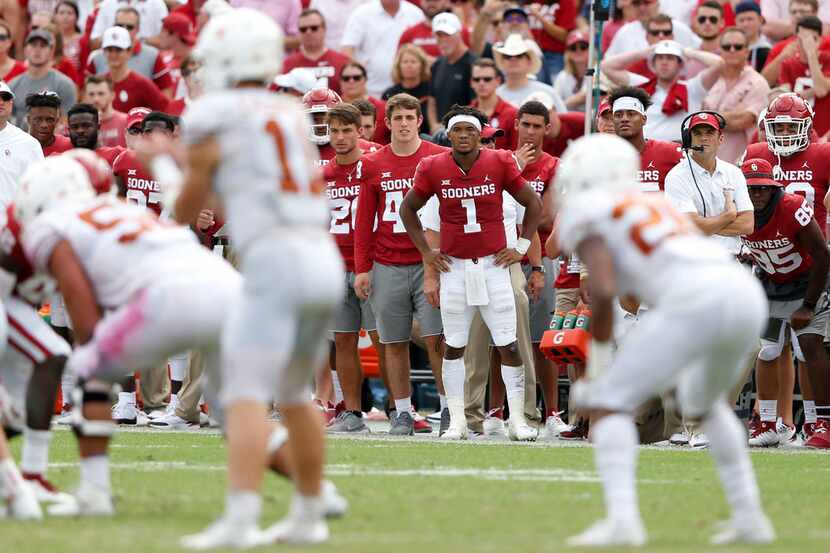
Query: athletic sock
(34,457)
(514,384)
(615,453)
(243,507)
(338,390)
(768,409)
(95,471)
(442,400)
(809,411)
(307,507)
(453,375)
(403,405)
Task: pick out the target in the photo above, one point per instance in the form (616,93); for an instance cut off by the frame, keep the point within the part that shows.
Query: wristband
(522,245)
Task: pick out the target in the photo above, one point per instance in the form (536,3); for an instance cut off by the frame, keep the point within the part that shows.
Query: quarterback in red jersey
(388,266)
(799,163)
(788,247)
(473,258)
(657,157)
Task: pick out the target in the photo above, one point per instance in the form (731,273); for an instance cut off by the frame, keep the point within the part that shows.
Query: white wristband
(599,358)
(522,245)
(169,177)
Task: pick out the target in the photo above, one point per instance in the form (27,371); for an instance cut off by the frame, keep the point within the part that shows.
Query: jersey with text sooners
(342,190)
(108,235)
(806,173)
(656,160)
(386,180)
(651,243)
(470,205)
(140,186)
(775,247)
(539,175)
(267,177)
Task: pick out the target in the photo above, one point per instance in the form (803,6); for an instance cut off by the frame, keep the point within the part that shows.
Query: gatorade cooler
(368,355)
(566,346)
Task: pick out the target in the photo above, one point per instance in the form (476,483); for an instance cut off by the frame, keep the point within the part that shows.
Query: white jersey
(653,245)
(267,177)
(123,247)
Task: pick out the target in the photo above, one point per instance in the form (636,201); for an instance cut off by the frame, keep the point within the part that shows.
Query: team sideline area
(414,494)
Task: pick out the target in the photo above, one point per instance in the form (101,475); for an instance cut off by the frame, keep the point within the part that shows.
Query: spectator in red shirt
(550,23)
(9,67)
(808,72)
(313,53)
(786,45)
(131,89)
(421,34)
(43,112)
(192,86)
(66,21)
(501,114)
(353,86)
(99,91)
(177,37)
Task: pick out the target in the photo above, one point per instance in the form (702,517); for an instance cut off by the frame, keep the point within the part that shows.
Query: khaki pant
(477,357)
(155,387)
(191,392)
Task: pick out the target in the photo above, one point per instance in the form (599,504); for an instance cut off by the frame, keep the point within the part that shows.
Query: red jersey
(140,186)
(109,153)
(59,146)
(561,13)
(32,288)
(18,68)
(327,66)
(776,248)
(112,130)
(539,175)
(573,126)
(504,118)
(136,91)
(382,133)
(806,173)
(387,177)
(470,204)
(176,107)
(796,73)
(656,160)
(421,35)
(342,189)
(568,277)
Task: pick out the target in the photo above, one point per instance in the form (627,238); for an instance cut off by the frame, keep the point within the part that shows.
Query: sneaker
(554,425)
(402,425)
(807,430)
(679,438)
(125,413)
(444,422)
(224,533)
(65,418)
(576,432)
(435,417)
(493,425)
(172,422)
(169,410)
(457,432)
(295,530)
(421,425)
(23,504)
(335,505)
(754,530)
(87,501)
(610,533)
(820,439)
(44,490)
(519,431)
(347,422)
(764,435)
(698,440)
(786,434)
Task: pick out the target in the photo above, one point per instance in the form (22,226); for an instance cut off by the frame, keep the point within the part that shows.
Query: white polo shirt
(336,13)
(151,13)
(514,213)
(374,34)
(660,126)
(703,194)
(18,150)
(632,36)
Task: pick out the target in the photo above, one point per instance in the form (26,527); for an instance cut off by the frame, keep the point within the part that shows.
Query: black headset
(686,144)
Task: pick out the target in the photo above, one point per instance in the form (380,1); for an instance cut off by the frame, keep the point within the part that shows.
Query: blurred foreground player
(696,336)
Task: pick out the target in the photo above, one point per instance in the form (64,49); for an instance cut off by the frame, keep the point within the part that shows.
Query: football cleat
(172,422)
(698,440)
(807,430)
(347,422)
(575,432)
(224,533)
(45,491)
(456,432)
(519,431)
(493,425)
(787,435)
(680,438)
(554,425)
(23,504)
(611,533)
(764,435)
(754,530)
(294,530)
(86,502)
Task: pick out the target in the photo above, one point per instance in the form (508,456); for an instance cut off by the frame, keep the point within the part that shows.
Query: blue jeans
(552,64)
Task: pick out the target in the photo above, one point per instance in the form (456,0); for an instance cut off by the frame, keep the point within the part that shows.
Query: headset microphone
(686,144)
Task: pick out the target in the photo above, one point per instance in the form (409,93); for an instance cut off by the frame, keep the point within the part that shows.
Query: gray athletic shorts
(783,310)
(540,309)
(354,313)
(397,294)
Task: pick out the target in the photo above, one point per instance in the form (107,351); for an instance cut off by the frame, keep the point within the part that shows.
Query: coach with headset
(711,191)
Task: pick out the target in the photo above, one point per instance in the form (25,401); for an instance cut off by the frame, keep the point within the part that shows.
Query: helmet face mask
(317,103)
(788,124)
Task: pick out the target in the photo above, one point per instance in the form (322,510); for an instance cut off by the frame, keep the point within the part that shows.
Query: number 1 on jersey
(472,225)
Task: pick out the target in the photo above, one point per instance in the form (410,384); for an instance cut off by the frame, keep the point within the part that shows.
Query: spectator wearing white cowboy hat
(520,60)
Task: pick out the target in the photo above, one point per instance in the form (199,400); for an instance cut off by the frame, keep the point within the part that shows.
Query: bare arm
(739,120)
(614,67)
(595,255)
(713,62)
(772,70)
(714,224)
(203,159)
(743,224)
(432,281)
(821,82)
(551,28)
(77,291)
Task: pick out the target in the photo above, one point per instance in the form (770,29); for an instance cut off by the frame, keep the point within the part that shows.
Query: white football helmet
(50,183)
(240,45)
(597,162)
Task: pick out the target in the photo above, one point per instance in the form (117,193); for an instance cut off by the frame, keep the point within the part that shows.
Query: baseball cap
(136,116)
(4,89)
(446,23)
(668,47)
(179,25)
(748,6)
(488,132)
(41,34)
(604,106)
(576,36)
(758,172)
(117,37)
(515,10)
(704,119)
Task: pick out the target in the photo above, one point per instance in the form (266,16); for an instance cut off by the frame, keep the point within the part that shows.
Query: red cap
(575,37)
(604,106)
(491,132)
(704,119)
(758,172)
(179,25)
(136,116)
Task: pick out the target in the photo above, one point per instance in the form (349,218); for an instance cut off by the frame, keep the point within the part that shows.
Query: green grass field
(420,495)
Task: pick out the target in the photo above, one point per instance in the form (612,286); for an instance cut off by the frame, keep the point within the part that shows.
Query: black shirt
(450,82)
(421,92)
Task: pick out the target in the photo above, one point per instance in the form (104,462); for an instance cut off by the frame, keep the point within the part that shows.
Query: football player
(388,267)
(318,102)
(696,335)
(275,334)
(473,259)
(791,253)
(82,122)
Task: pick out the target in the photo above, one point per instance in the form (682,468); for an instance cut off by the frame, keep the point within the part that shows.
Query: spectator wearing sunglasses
(151,14)
(739,94)
(632,36)
(145,60)
(707,24)
(569,82)
(484,81)
(313,53)
(660,27)
(9,66)
(353,79)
